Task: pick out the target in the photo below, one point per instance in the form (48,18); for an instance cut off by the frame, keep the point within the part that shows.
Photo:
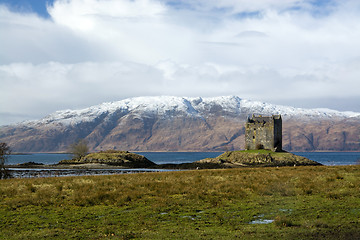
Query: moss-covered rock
(264,158)
(115,158)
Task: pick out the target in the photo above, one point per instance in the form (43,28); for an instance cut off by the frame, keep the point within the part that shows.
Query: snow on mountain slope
(165,105)
(286,111)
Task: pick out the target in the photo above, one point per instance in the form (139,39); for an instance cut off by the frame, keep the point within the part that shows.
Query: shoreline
(232,159)
(45,172)
(316,151)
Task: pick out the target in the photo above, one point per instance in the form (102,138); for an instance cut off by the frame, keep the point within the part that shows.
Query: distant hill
(181,124)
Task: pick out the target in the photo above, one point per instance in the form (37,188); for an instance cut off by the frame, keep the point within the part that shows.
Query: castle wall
(278,134)
(263,133)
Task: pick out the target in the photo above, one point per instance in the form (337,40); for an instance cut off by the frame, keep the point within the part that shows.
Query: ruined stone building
(263,133)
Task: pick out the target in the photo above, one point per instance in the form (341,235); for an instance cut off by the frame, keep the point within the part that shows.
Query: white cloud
(92,51)
(127,30)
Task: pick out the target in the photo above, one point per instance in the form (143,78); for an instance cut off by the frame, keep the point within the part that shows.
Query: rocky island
(260,158)
(120,162)
(232,159)
(112,158)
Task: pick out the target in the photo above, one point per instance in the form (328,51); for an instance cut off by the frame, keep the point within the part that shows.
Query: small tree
(4,154)
(79,149)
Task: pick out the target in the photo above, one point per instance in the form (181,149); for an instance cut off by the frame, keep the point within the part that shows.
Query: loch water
(325,158)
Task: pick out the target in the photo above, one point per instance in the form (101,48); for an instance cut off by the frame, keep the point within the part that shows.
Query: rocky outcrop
(114,158)
(262,158)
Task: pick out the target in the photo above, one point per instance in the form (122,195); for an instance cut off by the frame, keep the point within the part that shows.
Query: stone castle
(263,133)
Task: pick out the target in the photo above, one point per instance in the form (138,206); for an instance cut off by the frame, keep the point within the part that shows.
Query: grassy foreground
(319,202)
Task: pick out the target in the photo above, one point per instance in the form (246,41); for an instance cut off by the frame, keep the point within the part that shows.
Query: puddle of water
(285,210)
(262,221)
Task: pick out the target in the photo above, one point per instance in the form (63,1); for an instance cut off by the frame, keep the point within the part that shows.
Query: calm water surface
(326,158)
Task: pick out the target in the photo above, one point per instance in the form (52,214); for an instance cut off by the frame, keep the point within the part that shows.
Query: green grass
(263,151)
(304,203)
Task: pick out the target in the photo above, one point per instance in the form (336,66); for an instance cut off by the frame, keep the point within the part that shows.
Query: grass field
(319,202)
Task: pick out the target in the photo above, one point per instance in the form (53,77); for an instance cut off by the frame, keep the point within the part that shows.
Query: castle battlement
(263,132)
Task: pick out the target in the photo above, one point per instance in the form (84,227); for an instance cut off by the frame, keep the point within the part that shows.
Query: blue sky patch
(26,6)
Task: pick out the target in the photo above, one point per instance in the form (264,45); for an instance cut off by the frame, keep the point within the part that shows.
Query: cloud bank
(91,51)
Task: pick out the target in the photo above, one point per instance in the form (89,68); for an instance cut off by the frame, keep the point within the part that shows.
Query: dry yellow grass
(303,202)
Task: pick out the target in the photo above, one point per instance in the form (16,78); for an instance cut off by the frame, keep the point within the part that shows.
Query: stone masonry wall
(263,133)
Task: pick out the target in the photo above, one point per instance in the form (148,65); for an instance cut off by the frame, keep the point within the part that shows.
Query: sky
(71,54)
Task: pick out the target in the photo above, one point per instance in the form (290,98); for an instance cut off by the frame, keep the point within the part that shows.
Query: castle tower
(263,133)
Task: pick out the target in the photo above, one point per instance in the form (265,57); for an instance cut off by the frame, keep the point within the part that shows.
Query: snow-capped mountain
(169,123)
(166,106)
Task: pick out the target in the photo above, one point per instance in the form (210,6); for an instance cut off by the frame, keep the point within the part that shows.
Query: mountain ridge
(151,104)
(168,123)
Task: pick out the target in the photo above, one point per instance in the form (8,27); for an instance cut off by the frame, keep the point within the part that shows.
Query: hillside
(181,124)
